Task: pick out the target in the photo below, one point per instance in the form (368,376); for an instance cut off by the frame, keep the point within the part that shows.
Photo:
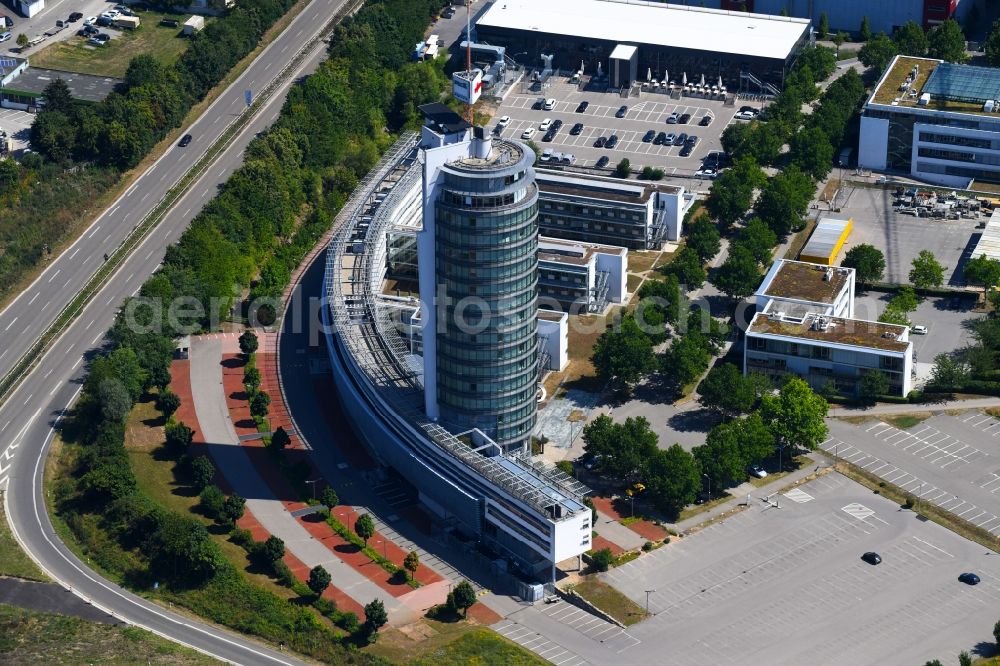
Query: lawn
(790,466)
(693,510)
(14,561)
(28,637)
(75,55)
(610,600)
(433,643)
(640,261)
(583,333)
(904,421)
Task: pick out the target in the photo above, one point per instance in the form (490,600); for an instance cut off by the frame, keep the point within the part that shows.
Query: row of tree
(945,41)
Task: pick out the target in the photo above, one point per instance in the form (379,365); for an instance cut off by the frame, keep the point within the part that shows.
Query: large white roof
(637,22)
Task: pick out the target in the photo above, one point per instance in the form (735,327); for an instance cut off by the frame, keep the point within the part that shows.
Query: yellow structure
(827,240)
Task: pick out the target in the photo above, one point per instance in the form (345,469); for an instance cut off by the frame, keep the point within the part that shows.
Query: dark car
(686,150)
(683,120)
(185,140)
(680,139)
(692,140)
(705,121)
(556,124)
(660,139)
(622,110)
(603,162)
(576,129)
(582,106)
(104,21)
(612,141)
(872,558)
(969,578)
(104,37)
(649,136)
(551,134)
(75,16)
(600,142)
(448,13)
(537,106)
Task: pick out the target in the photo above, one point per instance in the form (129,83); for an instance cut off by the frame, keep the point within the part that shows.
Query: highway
(30,415)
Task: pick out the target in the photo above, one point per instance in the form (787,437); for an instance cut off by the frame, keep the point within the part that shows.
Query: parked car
(567,158)
(603,162)
(661,139)
(672,118)
(103,21)
(577,128)
(692,140)
(90,20)
(546,155)
(705,121)
(502,124)
(528,133)
(600,142)
(649,136)
(622,110)
(686,150)
(8,22)
(539,103)
(448,12)
(582,106)
(872,558)
(757,471)
(612,141)
(683,120)
(185,140)
(97,41)
(551,134)
(969,578)
(668,140)
(75,16)
(919,329)
(710,174)
(549,104)
(557,124)
(104,37)
(546,124)
(680,139)
(5,36)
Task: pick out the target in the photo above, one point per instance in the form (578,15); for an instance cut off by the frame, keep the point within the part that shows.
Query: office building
(846,15)
(804,287)
(581,279)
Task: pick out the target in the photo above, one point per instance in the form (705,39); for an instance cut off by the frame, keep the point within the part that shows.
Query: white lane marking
(58,270)
(94,231)
(74,253)
(10,324)
(34,297)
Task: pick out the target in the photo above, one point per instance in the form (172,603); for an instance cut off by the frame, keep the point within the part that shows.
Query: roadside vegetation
(610,600)
(14,561)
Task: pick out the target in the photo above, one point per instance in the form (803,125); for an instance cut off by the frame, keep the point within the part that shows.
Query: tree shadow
(234,362)
(347,548)
(696,420)
(245,423)
(239,395)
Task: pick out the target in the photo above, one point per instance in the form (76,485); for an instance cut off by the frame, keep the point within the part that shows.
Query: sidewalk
(971,403)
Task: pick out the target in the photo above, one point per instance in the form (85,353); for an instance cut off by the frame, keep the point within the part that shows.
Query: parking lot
(950,461)
(787,586)
(902,237)
(647,112)
(17,124)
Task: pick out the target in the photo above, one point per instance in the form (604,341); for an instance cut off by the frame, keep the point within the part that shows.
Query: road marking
(859,511)
(10,324)
(934,547)
(77,363)
(94,231)
(55,274)
(112,211)
(74,253)
(34,297)
(798,495)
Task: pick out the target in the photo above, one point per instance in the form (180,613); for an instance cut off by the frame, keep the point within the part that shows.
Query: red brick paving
(180,383)
(648,530)
(606,505)
(483,614)
(599,543)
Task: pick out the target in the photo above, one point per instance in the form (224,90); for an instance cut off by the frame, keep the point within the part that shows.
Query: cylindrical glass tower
(486,263)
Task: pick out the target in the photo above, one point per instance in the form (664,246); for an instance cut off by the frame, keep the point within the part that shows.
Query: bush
(602,559)
(242,538)
(282,573)
(349,622)
(202,472)
(648,546)
(211,500)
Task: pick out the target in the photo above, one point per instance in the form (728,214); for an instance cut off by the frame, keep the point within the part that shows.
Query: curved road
(28,418)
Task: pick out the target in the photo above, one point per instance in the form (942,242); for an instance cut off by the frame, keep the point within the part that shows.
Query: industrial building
(738,47)
(455,420)
(988,244)
(826,241)
(935,121)
(883,16)
(804,326)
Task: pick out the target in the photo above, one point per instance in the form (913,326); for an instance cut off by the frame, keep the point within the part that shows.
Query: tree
(838,40)
(867,261)
(202,472)
(329,498)
(114,400)
(232,509)
(271,549)
(251,379)
(411,562)
(465,596)
(949,372)
(686,358)
(259,402)
(364,527)
(873,384)
(739,274)
(179,437)
(703,237)
(688,268)
(732,192)
(983,271)
(211,500)
(673,479)
(623,169)
(964,658)
(720,458)
(865,31)
(22,40)
(926,272)
(992,45)
(727,390)
(905,299)
(878,52)
(375,618)
(911,40)
(623,448)
(624,354)
(602,559)
(785,198)
(168,402)
(280,439)
(759,239)
(894,316)
(996,627)
(796,415)
(824,25)
(812,152)
(758,140)
(319,580)
(947,42)
(248,342)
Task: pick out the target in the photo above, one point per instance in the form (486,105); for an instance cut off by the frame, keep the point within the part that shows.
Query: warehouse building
(934,121)
(826,241)
(883,16)
(668,38)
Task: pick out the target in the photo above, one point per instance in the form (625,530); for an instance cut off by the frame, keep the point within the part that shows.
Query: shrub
(349,622)
(242,538)
(648,546)
(602,559)
(202,472)
(168,402)
(211,500)
(282,573)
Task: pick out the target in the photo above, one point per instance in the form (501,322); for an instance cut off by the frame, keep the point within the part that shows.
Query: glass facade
(486,247)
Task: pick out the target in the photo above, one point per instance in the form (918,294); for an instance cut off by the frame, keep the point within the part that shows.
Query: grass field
(693,510)
(610,600)
(904,421)
(13,561)
(27,637)
(75,55)
(432,643)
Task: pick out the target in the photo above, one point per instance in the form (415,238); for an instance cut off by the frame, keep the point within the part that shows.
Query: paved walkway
(224,446)
(971,403)
(49,598)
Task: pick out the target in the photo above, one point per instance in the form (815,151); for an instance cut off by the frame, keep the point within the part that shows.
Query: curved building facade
(486,265)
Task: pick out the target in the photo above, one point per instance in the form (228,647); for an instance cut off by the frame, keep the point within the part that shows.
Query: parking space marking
(798,495)
(590,625)
(929,443)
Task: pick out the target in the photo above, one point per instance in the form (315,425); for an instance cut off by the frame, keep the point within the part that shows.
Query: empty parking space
(930,444)
(787,586)
(591,626)
(532,640)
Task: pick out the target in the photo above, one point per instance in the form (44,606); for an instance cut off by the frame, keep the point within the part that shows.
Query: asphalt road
(28,418)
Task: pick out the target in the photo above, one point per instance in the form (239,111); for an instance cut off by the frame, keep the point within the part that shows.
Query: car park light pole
(648,592)
(709,486)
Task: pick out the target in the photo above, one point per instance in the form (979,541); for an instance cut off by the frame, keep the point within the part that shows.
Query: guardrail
(27,361)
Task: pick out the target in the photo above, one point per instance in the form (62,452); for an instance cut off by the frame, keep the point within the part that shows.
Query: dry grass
(436,643)
(632,283)
(830,189)
(694,509)
(856,420)
(904,421)
(579,373)
(610,600)
(640,261)
(800,240)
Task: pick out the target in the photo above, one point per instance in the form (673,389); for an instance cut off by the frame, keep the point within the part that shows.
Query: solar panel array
(963,83)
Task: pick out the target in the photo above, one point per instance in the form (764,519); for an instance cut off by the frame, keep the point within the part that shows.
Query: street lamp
(313,482)
(648,592)
(709,485)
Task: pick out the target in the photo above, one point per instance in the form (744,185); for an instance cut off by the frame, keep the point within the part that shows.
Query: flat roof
(950,91)
(802,281)
(851,332)
(597,188)
(557,250)
(827,235)
(623,52)
(81,86)
(652,23)
(989,242)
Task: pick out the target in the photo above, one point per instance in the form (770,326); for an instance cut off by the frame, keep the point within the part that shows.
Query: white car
(546,124)
(546,155)
(919,330)
(528,133)
(757,471)
(549,104)
(90,20)
(111,14)
(745,115)
(503,122)
(711,174)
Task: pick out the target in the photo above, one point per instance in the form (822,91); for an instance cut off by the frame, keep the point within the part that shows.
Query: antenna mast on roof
(468,85)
